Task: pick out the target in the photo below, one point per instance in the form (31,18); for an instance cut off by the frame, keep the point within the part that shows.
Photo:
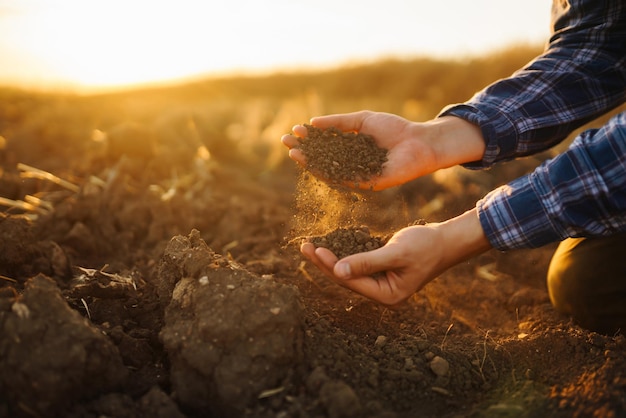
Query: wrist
(463,238)
(453,140)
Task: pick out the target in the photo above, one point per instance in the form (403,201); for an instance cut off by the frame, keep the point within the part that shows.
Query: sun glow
(120,42)
(111,43)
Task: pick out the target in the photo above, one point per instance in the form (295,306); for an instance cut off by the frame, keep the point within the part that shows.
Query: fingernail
(343,270)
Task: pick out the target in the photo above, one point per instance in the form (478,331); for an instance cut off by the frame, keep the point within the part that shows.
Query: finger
(326,257)
(300,131)
(380,289)
(345,122)
(297,155)
(308,249)
(289,140)
(365,264)
(372,275)
(292,143)
(311,252)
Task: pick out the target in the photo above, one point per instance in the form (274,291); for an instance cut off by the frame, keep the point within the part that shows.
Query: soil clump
(347,241)
(342,157)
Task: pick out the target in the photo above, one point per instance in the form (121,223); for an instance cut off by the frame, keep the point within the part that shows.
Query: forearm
(462,238)
(581,192)
(453,140)
(581,75)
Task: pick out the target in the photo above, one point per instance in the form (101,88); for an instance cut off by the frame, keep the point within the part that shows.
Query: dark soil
(161,286)
(342,157)
(347,241)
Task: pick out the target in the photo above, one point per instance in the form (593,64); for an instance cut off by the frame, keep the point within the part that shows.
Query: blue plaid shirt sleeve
(581,75)
(581,192)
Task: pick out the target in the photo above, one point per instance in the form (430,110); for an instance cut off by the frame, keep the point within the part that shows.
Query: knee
(566,284)
(587,280)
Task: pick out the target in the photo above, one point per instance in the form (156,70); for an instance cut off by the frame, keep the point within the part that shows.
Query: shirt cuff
(513,217)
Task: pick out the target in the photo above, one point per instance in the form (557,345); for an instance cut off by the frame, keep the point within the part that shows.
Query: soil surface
(158,281)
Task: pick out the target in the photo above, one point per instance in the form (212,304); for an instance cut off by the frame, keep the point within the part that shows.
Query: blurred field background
(237,122)
(244,117)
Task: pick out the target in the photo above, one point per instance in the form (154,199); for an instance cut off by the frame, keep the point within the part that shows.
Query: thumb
(363,264)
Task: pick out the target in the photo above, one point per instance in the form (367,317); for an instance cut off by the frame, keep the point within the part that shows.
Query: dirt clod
(38,374)
(229,334)
(340,157)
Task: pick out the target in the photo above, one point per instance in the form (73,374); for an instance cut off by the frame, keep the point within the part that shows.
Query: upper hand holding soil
(408,151)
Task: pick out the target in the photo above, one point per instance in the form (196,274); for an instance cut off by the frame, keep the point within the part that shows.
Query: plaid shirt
(581,75)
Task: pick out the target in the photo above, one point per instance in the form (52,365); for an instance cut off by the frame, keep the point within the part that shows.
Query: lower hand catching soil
(414,149)
(407,262)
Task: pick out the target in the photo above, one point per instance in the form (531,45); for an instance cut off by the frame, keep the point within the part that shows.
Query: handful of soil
(340,157)
(347,241)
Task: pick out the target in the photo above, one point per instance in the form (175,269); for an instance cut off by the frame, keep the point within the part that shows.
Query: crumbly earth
(342,157)
(161,286)
(347,241)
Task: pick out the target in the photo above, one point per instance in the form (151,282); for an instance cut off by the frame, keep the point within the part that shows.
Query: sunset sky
(113,43)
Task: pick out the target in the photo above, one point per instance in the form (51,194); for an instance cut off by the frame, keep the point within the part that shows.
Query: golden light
(110,43)
(119,42)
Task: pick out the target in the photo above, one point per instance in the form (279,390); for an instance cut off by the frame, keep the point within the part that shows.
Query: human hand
(414,149)
(411,258)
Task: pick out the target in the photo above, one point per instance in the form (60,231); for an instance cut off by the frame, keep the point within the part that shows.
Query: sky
(94,44)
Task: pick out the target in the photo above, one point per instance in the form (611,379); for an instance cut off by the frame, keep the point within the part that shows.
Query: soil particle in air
(340,157)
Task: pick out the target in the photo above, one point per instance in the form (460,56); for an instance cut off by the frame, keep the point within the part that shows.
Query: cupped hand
(409,156)
(412,257)
(390,274)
